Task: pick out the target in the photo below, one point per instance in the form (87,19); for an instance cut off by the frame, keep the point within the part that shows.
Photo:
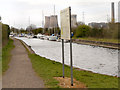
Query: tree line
(112,32)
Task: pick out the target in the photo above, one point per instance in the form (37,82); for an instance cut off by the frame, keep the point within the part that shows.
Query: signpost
(63,56)
(66,34)
(65,23)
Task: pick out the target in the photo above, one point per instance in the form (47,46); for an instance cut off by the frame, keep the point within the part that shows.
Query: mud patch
(66,83)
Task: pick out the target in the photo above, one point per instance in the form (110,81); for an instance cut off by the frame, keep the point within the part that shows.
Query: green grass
(48,69)
(6,55)
(99,39)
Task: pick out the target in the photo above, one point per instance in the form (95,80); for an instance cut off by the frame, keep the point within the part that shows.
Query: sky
(17,12)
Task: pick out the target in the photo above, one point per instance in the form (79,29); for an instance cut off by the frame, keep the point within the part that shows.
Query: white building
(98,25)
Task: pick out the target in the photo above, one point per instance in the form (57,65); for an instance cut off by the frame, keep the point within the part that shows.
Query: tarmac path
(20,73)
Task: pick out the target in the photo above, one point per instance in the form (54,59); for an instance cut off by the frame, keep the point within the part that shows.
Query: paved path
(20,73)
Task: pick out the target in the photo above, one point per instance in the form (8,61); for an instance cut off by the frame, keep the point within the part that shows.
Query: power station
(47,22)
(51,22)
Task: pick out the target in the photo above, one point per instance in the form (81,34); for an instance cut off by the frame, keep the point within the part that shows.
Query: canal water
(96,59)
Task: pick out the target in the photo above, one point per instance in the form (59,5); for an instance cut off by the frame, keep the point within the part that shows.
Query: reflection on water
(92,58)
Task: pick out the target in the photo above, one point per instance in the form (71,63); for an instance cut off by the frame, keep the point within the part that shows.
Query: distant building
(51,22)
(80,23)
(98,25)
(119,11)
(73,21)
(47,22)
(31,27)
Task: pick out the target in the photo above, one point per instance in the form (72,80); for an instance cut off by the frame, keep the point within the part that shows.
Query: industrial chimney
(119,11)
(0,18)
(112,13)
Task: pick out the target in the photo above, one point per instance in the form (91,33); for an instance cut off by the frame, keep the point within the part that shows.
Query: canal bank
(54,69)
(104,44)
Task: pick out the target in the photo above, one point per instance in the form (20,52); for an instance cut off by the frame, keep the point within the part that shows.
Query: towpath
(20,73)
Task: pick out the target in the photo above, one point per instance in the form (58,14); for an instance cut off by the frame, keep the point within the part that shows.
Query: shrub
(82,31)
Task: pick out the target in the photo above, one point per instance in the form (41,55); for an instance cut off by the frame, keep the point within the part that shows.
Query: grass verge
(99,39)
(6,55)
(48,69)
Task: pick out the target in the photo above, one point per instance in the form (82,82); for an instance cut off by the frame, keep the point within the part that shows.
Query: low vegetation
(99,39)
(48,69)
(109,34)
(6,55)
(7,46)
(5,34)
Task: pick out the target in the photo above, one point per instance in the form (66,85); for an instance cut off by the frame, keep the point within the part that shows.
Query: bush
(38,30)
(82,31)
(5,34)
(95,32)
(112,32)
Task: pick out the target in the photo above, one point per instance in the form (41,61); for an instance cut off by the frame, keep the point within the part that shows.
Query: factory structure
(112,13)
(103,24)
(51,23)
(98,25)
(47,22)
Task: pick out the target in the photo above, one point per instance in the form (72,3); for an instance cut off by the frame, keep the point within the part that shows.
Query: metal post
(63,55)
(71,63)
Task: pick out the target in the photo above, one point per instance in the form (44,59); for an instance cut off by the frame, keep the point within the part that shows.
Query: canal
(96,59)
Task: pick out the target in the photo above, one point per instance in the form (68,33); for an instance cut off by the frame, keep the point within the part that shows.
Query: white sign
(65,23)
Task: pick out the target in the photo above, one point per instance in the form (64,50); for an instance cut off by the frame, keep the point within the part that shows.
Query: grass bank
(48,69)
(6,55)
(99,39)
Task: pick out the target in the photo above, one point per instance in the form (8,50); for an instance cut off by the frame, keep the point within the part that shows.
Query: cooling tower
(119,12)
(113,13)
(74,21)
(53,21)
(47,22)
